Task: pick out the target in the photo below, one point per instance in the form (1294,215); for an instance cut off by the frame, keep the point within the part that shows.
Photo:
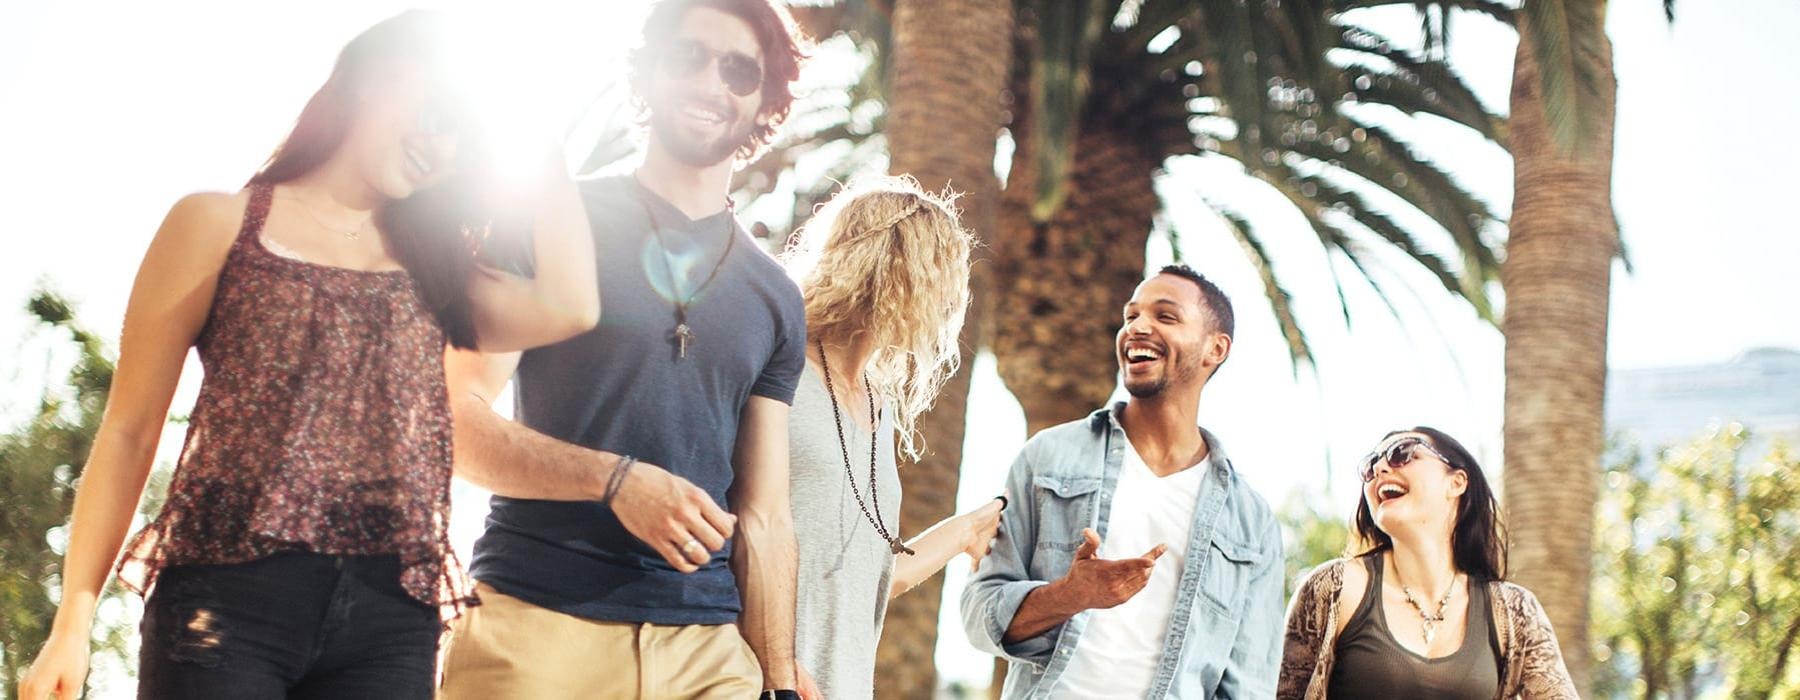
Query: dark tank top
(1370,664)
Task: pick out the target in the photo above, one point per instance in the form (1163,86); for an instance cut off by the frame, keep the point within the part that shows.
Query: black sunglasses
(1398,455)
(741,74)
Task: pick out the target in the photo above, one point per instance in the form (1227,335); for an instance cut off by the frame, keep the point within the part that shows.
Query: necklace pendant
(899,548)
(683,335)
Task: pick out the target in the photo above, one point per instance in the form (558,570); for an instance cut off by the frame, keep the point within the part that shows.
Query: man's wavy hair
(887,259)
(783,49)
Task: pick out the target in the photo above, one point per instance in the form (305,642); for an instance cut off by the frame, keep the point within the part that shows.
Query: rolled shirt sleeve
(1000,585)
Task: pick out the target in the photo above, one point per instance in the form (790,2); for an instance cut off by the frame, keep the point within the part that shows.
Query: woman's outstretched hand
(982,525)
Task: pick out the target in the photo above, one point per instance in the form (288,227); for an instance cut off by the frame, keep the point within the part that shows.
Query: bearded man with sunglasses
(1138,563)
(640,542)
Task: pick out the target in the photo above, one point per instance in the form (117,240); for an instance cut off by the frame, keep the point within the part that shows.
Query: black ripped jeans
(292,625)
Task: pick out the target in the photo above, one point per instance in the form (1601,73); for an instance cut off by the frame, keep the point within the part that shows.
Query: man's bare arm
(506,457)
(765,556)
(1043,609)
(510,459)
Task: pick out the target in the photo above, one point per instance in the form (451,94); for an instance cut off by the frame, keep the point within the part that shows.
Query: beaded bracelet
(618,478)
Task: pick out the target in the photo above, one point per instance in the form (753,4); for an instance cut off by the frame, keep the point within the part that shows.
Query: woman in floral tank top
(303,549)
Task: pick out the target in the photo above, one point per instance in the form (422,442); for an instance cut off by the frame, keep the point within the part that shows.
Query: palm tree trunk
(1556,277)
(1064,281)
(949,69)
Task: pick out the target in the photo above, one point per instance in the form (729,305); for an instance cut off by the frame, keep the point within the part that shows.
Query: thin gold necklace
(354,234)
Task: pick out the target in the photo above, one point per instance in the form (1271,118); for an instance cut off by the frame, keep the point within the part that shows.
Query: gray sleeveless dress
(845,566)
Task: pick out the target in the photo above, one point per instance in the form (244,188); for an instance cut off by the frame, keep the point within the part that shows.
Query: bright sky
(114,110)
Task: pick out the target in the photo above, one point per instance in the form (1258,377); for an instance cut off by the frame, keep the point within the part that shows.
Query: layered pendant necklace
(894,543)
(1429,621)
(683,334)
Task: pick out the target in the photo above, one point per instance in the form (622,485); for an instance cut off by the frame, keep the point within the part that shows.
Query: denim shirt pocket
(1228,573)
(1065,506)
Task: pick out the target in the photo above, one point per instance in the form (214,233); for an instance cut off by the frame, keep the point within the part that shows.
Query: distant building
(1666,406)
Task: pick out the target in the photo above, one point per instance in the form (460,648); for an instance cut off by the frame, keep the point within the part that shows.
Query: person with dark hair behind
(1424,608)
(315,479)
(641,542)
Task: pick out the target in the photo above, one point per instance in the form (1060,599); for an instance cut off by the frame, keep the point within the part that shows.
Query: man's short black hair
(1210,295)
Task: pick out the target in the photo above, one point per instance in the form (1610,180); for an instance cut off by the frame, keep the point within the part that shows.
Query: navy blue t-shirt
(622,388)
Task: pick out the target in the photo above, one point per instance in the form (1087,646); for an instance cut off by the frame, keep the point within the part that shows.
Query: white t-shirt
(1121,646)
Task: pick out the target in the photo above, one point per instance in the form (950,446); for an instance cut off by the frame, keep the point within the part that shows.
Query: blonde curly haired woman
(884,270)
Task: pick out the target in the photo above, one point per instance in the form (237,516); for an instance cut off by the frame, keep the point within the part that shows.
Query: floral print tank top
(322,425)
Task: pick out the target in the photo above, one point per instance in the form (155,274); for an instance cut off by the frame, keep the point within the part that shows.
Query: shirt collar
(1107,418)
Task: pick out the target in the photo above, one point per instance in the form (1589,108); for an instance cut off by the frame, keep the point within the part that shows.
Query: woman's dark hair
(1477,540)
(434,233)
(776,33)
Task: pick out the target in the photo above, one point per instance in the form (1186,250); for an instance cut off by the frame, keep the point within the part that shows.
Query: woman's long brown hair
(436,232)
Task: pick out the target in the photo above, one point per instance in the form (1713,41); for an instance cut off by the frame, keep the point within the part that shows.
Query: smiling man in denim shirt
(1175,593)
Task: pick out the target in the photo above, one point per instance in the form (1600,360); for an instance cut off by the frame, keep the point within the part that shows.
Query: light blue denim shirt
(1224,636)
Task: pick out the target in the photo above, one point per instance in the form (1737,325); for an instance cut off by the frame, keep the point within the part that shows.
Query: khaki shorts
(508,648)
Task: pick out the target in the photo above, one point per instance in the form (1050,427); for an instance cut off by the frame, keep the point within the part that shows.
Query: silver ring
(692,543)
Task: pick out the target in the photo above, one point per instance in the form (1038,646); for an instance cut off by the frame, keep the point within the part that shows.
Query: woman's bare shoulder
(205,221)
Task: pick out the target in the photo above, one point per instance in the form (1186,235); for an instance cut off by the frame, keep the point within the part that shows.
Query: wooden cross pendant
(683,335)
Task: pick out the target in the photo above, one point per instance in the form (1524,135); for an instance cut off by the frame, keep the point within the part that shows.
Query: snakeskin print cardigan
(1531,663)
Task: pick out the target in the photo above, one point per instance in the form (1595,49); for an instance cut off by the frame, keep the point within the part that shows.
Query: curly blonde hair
(888,259)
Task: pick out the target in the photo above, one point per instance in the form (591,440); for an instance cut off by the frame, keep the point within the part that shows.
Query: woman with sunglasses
(1423,610)
(302,551)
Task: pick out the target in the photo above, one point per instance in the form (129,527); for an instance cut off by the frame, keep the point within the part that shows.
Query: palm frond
(1281,302)
(1352,204)
(1497,10)
(1568,41)
(1353,253)
(1384,163)
(1240,74)
(1385,292)
(1067,31)
(1304,197)
(1416,83)
(1415,99)
(1429,188)
(1299,32)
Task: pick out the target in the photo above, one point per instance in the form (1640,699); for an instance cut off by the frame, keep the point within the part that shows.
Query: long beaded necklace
(894,543)
(684,334)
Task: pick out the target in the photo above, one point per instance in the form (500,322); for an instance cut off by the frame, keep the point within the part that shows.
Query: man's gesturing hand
(1093,582)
